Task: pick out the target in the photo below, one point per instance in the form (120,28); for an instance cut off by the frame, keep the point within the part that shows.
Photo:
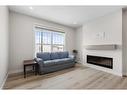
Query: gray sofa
(54,61)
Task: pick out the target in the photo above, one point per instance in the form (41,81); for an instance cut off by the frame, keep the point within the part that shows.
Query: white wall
(104,30)
(22,38)
(79,44)
(124,42)
(3,44)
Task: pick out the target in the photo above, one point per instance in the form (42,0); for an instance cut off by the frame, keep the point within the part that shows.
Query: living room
(46,46)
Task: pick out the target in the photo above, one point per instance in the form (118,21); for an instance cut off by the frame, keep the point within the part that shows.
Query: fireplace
(100,61)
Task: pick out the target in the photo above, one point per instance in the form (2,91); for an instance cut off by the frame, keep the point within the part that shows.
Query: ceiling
(72,16)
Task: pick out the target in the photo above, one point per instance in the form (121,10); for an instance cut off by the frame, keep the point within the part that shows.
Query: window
(48,40)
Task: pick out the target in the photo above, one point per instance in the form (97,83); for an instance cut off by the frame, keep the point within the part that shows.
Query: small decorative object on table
(75,52)
(32,63)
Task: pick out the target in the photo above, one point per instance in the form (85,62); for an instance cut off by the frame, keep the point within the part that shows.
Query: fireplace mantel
(101,47)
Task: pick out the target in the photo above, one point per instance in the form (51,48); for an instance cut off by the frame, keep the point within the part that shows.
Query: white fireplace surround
(102,37)
(115,54)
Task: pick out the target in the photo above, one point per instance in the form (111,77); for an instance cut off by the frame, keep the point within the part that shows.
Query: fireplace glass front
(100,61)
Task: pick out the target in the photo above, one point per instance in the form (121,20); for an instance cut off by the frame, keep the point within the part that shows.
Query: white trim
(4,81)
(41,27)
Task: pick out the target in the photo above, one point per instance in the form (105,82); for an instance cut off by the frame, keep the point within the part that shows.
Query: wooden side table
(28,63)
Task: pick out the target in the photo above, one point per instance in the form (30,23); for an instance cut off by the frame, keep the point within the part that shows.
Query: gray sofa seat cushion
(64,60)
(49,63)
(45,56)
(58,62)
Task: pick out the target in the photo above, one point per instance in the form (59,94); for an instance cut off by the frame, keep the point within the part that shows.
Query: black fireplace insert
(100,61)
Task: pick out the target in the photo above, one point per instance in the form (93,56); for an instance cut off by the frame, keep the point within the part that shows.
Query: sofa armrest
(39,61)
(72,56)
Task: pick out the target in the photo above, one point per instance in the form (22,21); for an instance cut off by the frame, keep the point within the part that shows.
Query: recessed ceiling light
(31,8)
(74,22)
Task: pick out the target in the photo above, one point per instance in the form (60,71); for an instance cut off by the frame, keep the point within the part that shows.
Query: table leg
(36,69)
(24,71)
(33,68)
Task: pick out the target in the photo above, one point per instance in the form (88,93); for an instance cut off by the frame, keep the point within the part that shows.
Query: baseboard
(14,74)
(4,81)
(79,62)
(18,74)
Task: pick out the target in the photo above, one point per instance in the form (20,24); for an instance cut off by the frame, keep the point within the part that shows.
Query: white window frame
(64,45)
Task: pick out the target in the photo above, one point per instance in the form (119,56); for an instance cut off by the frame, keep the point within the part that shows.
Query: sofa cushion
(63,61)
(63,54)
(45,56)
(55,55)
(49,63)
(58,62)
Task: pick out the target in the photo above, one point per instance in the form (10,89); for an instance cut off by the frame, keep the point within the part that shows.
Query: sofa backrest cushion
(63,54)
(55,55)
(45,56)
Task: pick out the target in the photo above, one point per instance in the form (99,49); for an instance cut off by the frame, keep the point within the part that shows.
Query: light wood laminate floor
(79,77)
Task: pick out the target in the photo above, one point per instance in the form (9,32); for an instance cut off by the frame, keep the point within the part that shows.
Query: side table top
(28,62)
